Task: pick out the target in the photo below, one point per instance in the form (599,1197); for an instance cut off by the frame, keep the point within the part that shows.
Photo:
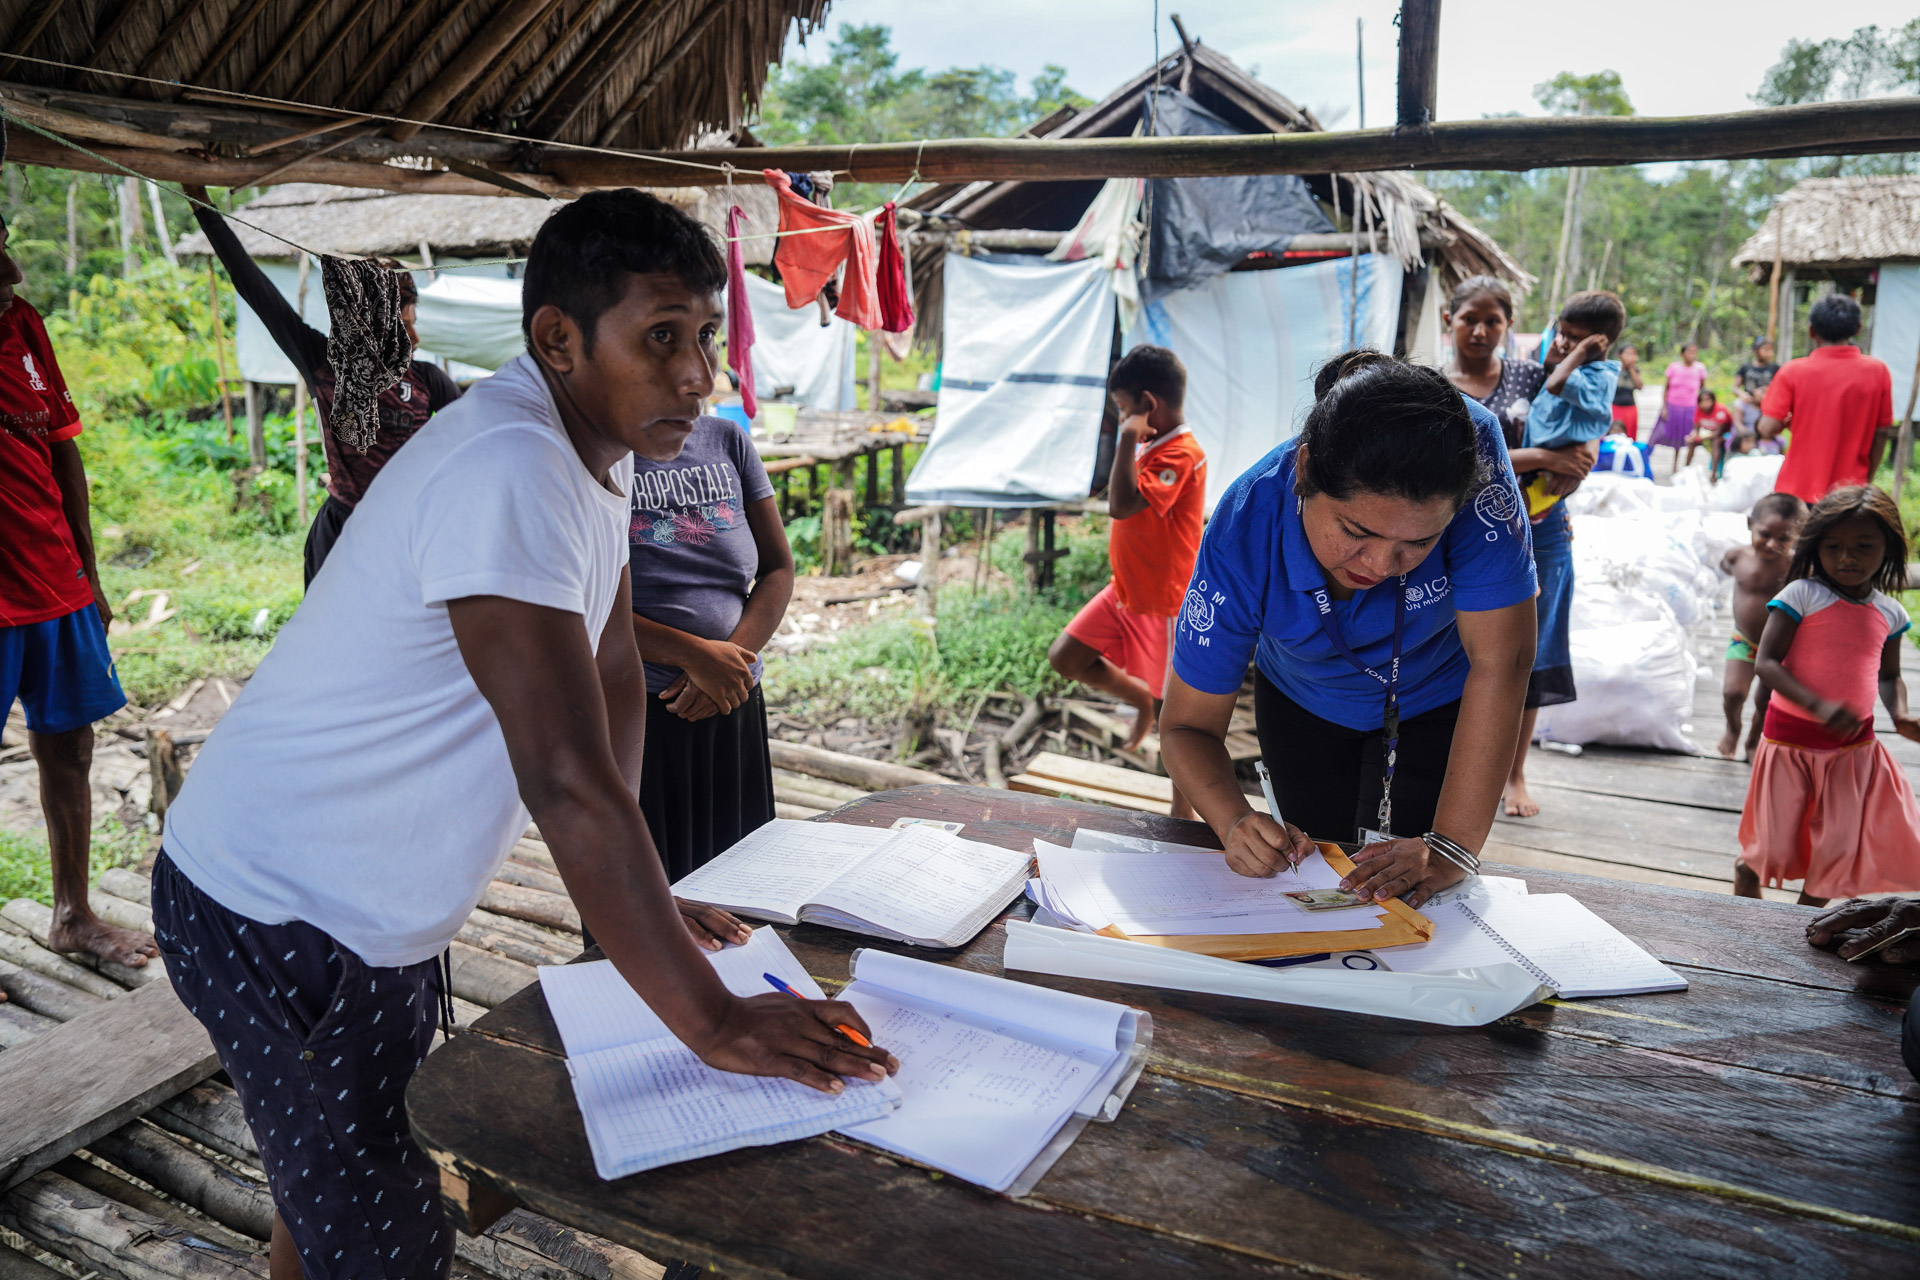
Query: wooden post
(873,371)
(1903,447)
(256,423)
(927,589)
(872,459)
(300,406)
(219,339)
(836,521)
(984,552)
(1033,548)
(1783,352)
(1419,61)
(1773,285)
(899,466)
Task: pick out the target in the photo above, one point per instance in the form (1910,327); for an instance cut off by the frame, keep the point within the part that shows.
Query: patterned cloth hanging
(367,343)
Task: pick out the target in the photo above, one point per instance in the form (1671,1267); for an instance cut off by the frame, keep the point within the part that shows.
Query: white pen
(1273,805)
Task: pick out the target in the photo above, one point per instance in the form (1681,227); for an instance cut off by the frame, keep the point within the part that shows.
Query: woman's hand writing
(776,1035)
(1258,846)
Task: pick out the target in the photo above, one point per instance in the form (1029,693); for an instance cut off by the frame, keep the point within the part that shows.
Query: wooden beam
(552,51)
(381,50)
(237,29)
(163,44)
(1419,61)
(222,171)
(478,88)
(324,59)
(657,74)
(21,39)
(1828,128)
(624,35)
(27,111)
(465,67)
(89,1076)
(265,70)
(274,144)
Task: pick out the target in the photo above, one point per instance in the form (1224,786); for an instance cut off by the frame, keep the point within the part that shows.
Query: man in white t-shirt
(465,656)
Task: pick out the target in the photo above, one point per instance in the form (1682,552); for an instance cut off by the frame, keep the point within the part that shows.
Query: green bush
(26,871)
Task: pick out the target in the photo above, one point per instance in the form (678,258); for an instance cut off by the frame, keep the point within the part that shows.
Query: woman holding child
(1378,570)
(1479,314)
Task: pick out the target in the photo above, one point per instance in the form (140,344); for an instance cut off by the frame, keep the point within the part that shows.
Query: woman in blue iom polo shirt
(1377,571)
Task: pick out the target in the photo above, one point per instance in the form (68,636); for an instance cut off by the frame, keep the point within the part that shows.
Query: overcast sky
(1677,57)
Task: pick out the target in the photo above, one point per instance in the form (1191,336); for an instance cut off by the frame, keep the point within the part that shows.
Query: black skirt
(704,784)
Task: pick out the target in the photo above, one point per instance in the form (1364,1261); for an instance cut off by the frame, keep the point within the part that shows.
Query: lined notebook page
(978,1102)
(595,1008)
(1098,1024)
(1459,942)
(781,866)
(1582,954)
(928,884)
(646,1105)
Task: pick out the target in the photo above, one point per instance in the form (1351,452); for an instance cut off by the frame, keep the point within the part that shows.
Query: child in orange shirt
(1119,642)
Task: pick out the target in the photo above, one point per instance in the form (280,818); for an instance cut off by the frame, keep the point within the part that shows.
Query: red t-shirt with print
(1153,550)
(41,575)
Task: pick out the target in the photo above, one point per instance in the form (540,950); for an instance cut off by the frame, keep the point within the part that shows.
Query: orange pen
(843,1029)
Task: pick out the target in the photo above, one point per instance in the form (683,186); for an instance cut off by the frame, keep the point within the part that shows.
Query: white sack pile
(1646,564)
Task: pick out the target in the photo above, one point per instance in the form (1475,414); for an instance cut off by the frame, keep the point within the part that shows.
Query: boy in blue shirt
(1575,405)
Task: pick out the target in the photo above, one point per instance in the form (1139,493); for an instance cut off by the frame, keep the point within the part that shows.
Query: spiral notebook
(1551,935)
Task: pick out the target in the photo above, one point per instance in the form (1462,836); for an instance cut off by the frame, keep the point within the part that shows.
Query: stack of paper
(1166,890)
(648,1100)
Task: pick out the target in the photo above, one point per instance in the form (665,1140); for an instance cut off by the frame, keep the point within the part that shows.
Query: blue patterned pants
(320,1047)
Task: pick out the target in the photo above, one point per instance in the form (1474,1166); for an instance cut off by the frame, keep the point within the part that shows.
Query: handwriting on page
(784,863)
(923,883)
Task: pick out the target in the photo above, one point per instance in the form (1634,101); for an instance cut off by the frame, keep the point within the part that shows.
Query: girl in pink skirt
(1828,805)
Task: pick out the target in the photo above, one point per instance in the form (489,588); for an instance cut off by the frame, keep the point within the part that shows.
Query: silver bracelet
(1453,851)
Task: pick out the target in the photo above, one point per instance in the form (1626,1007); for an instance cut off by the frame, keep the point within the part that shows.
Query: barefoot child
(1118,642)
(1759,571)
(1828,805)
(53,614)
(466,658)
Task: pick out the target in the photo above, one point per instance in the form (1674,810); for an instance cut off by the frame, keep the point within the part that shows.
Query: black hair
(1788,505)
(1154,369)
(1834,318)
(1844,504)
(1596,311)
(583,254)
(1474,286)
(1381,425)
(1760,342)
(1707,393)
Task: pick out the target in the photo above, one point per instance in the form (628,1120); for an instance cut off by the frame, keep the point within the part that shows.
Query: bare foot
(1729,743)
(1517,801)
(1746,883)
(95,936)
(1142,726)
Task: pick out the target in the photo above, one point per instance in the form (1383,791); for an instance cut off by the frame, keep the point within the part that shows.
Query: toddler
(1575,404)
(1759,571)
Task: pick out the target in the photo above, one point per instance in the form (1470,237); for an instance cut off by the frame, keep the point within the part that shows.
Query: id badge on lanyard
(1390,717)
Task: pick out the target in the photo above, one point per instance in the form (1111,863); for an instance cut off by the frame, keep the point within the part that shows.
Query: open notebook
(917,884)
(648,1100)
(997,1078)
(1551,935)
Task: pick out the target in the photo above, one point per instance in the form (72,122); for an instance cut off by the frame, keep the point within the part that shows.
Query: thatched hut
(1859,236)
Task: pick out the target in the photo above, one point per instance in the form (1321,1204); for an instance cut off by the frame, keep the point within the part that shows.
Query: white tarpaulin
(1896,326)
(1251,341)
(1022,385)
(473,319)
(261,360)
(793,349)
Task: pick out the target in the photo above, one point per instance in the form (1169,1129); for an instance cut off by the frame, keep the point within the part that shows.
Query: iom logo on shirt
(1420,595)
(1499,504)
(34,379)
(1196,614)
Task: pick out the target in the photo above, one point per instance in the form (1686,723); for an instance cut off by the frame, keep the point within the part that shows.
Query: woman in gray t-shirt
(712,575)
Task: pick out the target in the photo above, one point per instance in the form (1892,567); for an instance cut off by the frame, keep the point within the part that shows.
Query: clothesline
(292,244)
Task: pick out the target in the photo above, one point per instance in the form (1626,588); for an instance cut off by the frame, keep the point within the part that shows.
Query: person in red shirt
(53,615)
(1837,399)
(1156,495)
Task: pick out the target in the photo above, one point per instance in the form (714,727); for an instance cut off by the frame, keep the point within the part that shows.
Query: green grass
(27,872)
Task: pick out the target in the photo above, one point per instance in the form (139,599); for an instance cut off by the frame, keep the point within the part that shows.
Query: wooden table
(1758,1124)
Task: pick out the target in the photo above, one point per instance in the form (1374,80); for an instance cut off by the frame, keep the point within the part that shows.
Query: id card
(1327,900)
(1370,836)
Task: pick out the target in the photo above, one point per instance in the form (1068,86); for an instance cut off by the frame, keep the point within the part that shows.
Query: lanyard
(1390,719)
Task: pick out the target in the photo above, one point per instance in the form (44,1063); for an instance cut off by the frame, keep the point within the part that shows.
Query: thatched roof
(358,222)
(628,73)
(1838,223)
(1403,210)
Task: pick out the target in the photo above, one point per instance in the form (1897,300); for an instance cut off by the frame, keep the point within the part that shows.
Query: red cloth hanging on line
(896,293)
(808,261)
(739,316)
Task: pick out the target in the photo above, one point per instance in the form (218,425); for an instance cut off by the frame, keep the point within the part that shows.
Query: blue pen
(842,1028)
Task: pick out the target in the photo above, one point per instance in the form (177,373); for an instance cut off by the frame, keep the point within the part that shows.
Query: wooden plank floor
(1657,817)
